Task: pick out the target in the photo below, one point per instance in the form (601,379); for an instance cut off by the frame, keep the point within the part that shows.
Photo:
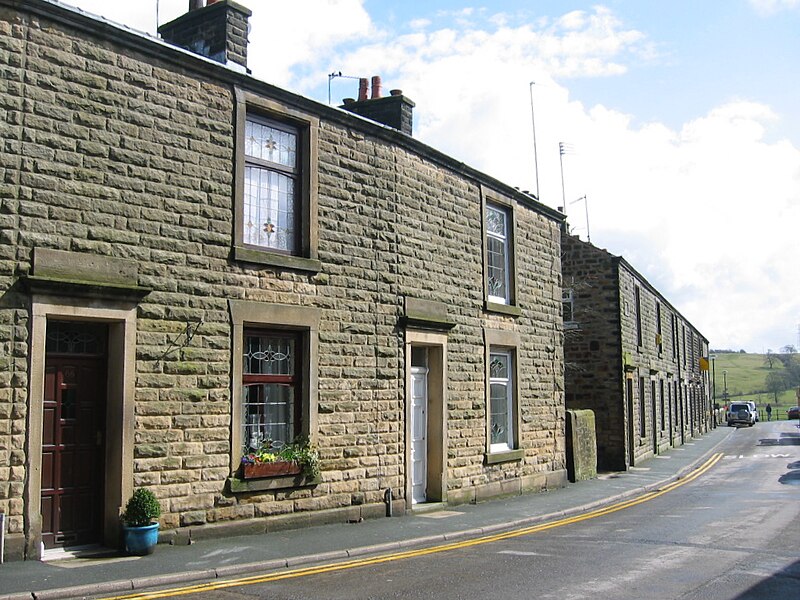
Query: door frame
(120,317)
(436,345)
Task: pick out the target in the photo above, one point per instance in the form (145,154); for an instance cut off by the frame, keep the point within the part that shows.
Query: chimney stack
(217,31)
(376,86)
(394,110)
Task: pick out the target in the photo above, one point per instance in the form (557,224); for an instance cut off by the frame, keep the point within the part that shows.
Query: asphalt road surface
(733,532)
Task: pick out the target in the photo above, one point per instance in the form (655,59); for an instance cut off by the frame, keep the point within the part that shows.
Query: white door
(419,433)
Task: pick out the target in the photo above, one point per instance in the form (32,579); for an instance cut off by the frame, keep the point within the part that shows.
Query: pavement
(206,560)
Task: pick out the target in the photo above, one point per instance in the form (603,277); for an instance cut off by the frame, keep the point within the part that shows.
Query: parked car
(753,410)
(793,413)
(739,413)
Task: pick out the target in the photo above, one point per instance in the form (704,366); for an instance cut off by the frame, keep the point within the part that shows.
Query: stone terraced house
(193,261)
(631,358)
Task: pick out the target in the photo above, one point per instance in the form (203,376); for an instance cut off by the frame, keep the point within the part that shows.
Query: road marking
(520,553)
(440,514)
(386,558)
(742,456)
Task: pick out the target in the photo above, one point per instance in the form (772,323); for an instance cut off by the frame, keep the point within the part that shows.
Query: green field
(746,380)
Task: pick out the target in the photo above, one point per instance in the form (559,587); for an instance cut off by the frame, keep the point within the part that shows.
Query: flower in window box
(274,459)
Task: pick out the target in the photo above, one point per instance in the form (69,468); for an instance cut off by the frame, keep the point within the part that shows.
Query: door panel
(419,434)
(72,455)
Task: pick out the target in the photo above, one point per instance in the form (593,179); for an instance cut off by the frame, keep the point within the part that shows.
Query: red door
(72,450)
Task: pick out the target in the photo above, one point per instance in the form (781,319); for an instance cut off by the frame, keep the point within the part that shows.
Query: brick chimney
(217,31)
(394,110)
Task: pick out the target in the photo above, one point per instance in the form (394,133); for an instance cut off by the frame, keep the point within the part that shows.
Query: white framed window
(497,254)
(501,400)
(568,307)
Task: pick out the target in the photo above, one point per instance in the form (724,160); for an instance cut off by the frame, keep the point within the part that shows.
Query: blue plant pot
(140,541)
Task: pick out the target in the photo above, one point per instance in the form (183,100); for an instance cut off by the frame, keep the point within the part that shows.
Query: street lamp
(725,387)
(714,406)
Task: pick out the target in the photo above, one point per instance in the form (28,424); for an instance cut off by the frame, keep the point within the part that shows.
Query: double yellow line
(352,564)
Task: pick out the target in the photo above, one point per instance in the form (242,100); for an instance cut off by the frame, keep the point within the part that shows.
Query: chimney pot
(395,92)
(348,100)
(195,4)
(363,85)
(376,86)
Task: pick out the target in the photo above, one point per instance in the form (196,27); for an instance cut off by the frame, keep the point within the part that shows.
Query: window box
(273,469)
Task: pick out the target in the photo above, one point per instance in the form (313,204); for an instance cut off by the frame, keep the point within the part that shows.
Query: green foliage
(142,508)
(300,451)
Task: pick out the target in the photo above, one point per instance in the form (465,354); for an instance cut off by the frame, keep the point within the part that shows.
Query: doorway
(73,434)
(426,418)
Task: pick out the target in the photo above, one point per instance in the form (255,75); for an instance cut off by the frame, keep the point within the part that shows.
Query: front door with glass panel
(73,435)
(419,434)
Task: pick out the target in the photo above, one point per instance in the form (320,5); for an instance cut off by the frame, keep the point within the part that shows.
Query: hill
(746,375)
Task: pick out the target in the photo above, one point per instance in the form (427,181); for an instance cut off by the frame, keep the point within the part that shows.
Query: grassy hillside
(746,379)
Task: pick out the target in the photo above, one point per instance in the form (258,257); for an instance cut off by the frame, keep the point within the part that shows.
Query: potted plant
(273,459)
(140,532)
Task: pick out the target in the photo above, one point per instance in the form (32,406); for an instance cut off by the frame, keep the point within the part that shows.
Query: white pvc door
(419,433)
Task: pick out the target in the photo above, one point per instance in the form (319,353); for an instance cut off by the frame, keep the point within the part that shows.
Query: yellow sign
(703,364)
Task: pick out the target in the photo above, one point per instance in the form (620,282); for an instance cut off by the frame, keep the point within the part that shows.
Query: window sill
(505,309)
(273,259)
(494,458)
(241,486)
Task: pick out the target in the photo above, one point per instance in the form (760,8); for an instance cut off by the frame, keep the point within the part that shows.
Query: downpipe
(2,536)
(387,498)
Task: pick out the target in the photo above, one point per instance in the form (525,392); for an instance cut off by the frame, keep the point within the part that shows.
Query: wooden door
(73,439)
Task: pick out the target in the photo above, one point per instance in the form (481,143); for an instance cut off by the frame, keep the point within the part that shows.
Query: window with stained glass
(501,400)
(270,394)
(497,250)
(270,218)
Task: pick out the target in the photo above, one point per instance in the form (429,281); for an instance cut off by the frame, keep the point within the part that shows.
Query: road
(734,532)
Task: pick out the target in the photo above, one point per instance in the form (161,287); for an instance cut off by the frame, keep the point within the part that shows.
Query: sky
(678,119)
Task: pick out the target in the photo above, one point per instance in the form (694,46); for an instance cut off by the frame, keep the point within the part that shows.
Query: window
(499,275)
(274,374)
(271,215)
(638,305)
(503,412)
(659,339)
(568,304)
(501,400)
(642,426)
(276,185)
(497,254)
(271,389)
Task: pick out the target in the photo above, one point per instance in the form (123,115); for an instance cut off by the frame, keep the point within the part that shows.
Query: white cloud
(279,54)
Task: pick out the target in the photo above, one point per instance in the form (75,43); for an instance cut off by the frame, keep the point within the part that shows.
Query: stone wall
(670,401)
(121,153)
(593,349)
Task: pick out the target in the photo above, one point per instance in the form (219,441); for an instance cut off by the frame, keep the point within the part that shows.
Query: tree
(769,359)
(789,349)
(776,383)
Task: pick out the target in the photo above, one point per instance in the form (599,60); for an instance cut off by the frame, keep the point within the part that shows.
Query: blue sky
(683,116)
